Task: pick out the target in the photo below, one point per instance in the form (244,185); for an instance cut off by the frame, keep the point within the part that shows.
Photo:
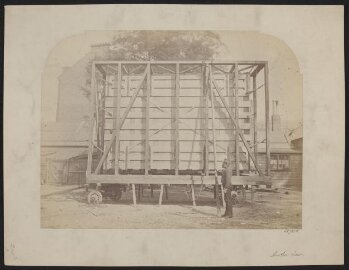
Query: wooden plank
(102,115)
(255,144)
(146,146)
(164,68)
(117,121)
(177,120)
(190,69)
(161,194)
(237,144)
(237,127)
(92,120)
(205,95)
(267,124)
(109,145)
(214,145)
(176,179)
(193,195)
(134,195)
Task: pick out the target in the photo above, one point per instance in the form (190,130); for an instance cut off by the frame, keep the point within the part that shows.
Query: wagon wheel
(234,197)
(94,197)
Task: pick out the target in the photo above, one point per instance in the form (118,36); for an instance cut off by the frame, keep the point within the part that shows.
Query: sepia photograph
(174,135)
(171,130)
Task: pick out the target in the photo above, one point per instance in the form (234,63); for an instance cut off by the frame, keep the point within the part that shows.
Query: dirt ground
(67,207)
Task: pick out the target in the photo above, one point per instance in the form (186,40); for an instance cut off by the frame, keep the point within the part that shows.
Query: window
(246,109)
(247,120)
(246,98)
(279,162)
(246,131)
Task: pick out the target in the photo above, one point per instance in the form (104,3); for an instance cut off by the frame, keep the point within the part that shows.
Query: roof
(296,134)
(278,142)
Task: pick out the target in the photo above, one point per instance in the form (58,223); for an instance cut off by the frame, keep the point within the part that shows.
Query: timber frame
(235,69)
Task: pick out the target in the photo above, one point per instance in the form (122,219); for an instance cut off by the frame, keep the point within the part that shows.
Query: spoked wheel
(94,197)
(234,197)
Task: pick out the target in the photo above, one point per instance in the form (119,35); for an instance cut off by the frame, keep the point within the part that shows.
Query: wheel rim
(94,197)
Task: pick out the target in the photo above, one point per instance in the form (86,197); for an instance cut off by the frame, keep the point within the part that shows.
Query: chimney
(275,118)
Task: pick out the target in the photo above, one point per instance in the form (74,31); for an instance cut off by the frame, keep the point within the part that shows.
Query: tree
(158,45)
(163,45)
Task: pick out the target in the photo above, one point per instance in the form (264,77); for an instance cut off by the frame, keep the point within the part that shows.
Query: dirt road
(66,207)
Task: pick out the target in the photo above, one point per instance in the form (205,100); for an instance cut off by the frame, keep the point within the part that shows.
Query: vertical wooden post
(117,120)
(161,194)
(193,195)
(247,82)
(214,141)
(92,120)
(146,157)
(177,120)
(98,122)
(267,124)
(237,146)
(205,95)
(255,144)
(134,194)
(102,113)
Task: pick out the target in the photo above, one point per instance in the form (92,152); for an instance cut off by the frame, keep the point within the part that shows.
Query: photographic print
(206,124)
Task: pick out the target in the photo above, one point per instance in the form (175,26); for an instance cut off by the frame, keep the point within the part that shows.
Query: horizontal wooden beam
(175,179)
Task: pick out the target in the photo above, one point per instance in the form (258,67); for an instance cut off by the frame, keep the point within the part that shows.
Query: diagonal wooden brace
(237,127)
(113,136)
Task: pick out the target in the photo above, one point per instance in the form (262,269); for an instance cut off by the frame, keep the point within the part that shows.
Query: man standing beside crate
(227,187)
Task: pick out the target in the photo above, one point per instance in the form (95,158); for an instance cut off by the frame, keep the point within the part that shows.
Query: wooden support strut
(255,144)
(161,194)
(267,125)
(108,147)
(236,126)
(117,121)
(214,144)
(134,194)
(146,146)
(177,122)
(193,195)
(237,145)
(92,121)
(205,94)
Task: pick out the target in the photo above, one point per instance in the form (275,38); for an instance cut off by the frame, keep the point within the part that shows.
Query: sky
(284,75)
